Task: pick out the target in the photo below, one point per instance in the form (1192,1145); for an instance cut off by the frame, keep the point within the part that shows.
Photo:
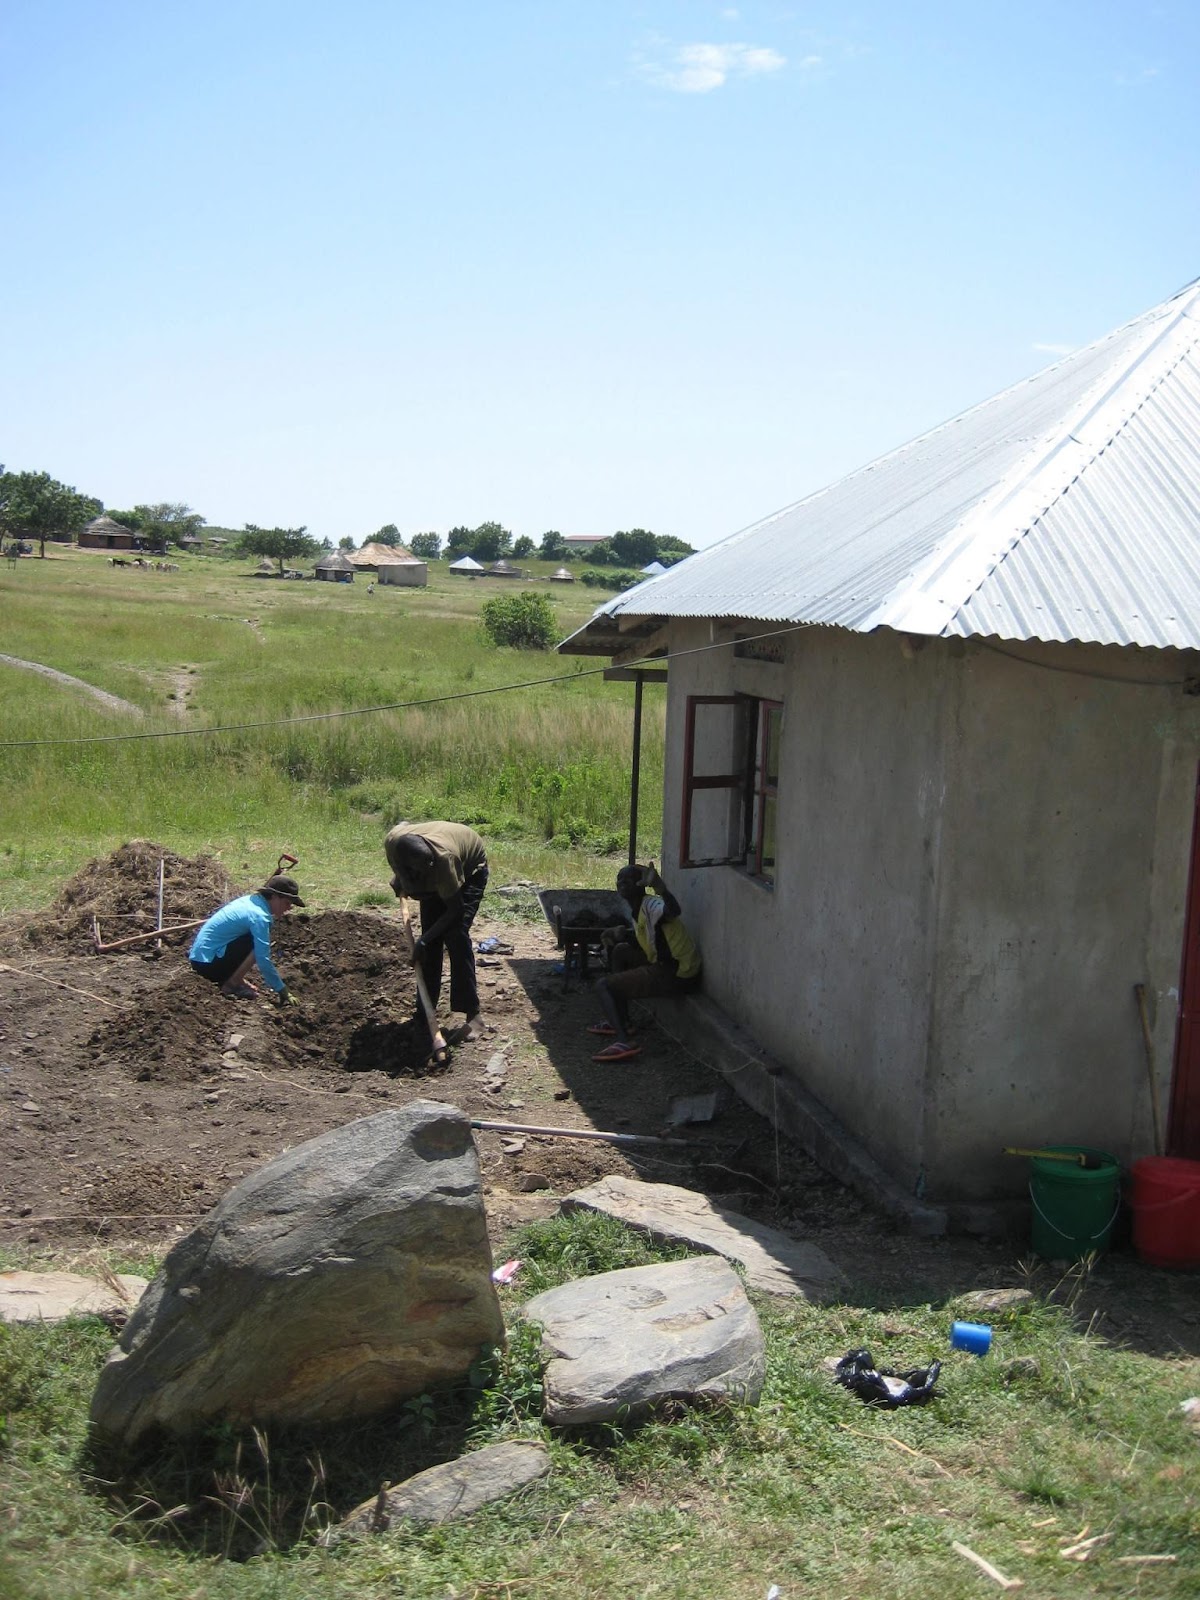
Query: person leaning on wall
(654,958)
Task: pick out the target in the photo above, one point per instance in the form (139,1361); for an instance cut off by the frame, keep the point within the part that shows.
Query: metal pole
(637,766)
(575,1133)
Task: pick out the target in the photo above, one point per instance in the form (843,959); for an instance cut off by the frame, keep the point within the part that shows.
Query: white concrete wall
(410,575)
(978,858)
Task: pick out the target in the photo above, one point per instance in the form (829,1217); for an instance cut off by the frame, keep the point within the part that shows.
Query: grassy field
(1054,1439)
(541,772)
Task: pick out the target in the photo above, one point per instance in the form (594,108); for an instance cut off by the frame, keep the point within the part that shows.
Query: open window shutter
(714,781)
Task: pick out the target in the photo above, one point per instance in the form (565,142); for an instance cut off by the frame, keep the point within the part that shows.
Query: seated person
(657,956)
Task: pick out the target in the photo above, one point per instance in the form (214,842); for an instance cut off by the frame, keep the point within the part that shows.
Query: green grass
(542,772)
(1052,1433)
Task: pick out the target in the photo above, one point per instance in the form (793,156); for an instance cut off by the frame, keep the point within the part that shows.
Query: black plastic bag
(857,1372)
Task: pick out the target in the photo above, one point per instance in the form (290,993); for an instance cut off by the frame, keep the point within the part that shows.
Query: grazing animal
(117,561)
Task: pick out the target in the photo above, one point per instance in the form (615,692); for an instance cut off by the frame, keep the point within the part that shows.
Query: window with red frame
(731,783)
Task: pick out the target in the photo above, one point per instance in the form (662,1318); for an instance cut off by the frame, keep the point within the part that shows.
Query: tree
(554,546)
(167,522)
(491,541)
(524,621)
(524,546)
(460,541)
(346,543)
(389,534)
(33,505)
(637,548)
(426,545)
(279,544)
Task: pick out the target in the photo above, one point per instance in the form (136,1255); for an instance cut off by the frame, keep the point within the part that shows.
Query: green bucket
(1074,1207)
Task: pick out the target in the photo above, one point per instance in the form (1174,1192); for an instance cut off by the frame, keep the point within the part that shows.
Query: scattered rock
(773,1261)
(54,1296)
(453,1490)
(528,1182)
(1021,1369)
(994,1304)
(619,1342)
(346,1275)
(562,1094)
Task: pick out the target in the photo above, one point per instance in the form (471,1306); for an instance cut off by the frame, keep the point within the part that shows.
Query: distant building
(562,576)
(502,569)
(102,533)
(466,567)
(335,568)
(393,564)
(581,543)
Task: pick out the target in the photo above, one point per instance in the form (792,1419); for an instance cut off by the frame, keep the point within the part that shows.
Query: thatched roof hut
(335,568)
(393,563)
(102,533)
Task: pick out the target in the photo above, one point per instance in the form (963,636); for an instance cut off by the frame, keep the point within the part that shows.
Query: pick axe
(435,1033)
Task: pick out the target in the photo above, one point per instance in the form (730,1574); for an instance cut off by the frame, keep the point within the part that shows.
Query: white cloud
(1054,349)
(700,68)
(731,13)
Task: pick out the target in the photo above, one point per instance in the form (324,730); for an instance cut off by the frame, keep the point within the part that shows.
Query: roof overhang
(623,639)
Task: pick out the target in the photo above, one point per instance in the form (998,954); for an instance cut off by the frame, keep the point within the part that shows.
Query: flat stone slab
(774,1261)
(455,1489)
(55,1296)
(617,1343)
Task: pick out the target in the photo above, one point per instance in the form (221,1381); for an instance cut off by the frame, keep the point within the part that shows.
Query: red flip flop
(618,1052)
(604,1029)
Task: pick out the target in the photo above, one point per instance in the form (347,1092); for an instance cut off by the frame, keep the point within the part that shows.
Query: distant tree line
(491,541)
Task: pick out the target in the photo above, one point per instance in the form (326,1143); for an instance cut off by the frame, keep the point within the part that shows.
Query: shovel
(440,1047)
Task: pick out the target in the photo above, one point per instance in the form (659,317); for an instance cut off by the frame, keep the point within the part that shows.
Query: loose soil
(133,1095)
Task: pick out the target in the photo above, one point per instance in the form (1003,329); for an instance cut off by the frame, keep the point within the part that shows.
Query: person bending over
(657,956)
(239,934)
(443,867)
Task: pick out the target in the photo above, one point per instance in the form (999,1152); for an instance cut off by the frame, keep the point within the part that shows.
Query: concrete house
(933,738)
(391,564)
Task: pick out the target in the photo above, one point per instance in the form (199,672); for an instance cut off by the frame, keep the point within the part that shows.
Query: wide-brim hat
(286,888)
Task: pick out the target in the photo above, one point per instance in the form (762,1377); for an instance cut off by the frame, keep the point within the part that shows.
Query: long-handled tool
(1139,994)
(435,1033)
(285,860)
(1076,1157)
(579,1133)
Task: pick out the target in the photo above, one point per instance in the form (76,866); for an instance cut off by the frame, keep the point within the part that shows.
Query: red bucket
(1166,1211)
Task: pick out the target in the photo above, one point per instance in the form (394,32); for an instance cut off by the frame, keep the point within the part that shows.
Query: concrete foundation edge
(765,1085)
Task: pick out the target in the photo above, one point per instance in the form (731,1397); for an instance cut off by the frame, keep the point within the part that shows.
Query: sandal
(605,1030)
(618,1052)
(439,1057)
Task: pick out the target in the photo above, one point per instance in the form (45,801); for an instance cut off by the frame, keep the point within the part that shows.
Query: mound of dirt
(120,892)
(356,1010)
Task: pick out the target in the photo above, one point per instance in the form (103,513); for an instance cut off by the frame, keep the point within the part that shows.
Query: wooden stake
(158,925)
(138,938)
(986,1567)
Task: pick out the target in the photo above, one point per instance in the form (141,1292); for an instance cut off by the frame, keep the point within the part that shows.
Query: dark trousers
(456,941)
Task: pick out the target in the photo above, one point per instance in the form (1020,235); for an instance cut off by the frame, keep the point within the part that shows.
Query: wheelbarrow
(580,918)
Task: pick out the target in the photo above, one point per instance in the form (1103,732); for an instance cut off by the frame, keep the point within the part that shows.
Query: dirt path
(111,702)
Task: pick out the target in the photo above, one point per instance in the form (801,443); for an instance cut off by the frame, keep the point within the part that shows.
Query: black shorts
(227,963)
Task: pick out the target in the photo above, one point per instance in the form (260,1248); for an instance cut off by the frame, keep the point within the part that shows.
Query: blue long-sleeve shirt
(248,914)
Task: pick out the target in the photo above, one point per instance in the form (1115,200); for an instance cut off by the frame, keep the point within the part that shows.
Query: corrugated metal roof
(1065,508)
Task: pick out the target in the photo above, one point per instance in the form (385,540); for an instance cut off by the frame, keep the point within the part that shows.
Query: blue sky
(568,265)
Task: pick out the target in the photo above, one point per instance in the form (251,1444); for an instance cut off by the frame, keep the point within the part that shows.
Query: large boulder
(338,1280)
(617,1343)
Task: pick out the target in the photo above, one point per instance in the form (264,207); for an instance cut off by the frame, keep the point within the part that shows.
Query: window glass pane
(774,722)
(768,836)
(716,729)
(716,818)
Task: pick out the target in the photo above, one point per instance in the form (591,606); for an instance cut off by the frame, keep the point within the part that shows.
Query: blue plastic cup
(973,1336)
